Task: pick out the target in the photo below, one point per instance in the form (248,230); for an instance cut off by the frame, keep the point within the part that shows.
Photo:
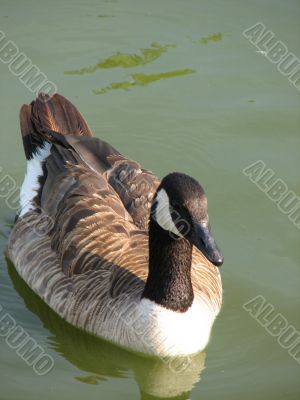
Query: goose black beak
(202,238)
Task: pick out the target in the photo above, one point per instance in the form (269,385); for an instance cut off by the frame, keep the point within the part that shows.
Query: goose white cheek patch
(162,213)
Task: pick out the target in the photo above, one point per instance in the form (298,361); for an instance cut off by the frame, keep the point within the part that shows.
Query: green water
(176,86)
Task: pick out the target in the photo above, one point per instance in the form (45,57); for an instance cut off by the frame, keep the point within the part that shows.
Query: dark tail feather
(46,114)
(30,141)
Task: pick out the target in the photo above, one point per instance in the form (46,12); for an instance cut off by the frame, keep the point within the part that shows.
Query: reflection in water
(216,37)
(143,80)
(125,60)
(156,378)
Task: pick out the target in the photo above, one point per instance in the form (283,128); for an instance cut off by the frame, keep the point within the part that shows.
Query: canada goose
(106,245)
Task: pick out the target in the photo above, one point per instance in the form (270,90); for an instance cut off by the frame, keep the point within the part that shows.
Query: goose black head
(180,207)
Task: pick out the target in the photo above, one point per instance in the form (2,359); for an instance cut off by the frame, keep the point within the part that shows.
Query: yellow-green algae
(215,37)
(125,60)
(90,379)
(143,80)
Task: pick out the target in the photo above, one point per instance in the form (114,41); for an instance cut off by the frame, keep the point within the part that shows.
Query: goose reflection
(156,378)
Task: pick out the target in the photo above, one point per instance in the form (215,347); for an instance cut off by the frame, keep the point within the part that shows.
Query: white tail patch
(31,183)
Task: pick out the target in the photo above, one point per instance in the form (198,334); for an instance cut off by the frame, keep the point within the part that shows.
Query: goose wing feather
(91,226)
(134,185)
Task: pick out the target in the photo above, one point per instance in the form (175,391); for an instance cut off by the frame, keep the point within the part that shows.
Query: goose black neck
(169,280)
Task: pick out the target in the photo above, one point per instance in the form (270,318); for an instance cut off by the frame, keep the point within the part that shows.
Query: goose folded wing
(91,227)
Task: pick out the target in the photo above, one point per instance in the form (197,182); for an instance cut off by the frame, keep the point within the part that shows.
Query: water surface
(176,86)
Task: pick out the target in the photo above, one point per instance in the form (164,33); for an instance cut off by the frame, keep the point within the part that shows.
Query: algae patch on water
(215,37)
(90,379)
(143,80)
(125,60)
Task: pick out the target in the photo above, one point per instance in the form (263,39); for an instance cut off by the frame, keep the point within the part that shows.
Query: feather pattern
(86,253)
